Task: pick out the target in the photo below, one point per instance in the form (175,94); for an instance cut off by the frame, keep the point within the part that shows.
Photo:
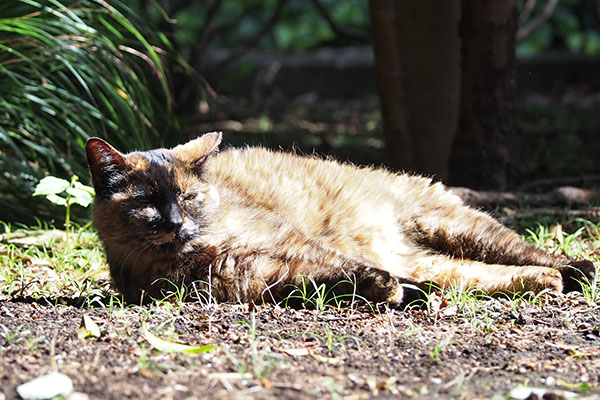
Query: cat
(249,224)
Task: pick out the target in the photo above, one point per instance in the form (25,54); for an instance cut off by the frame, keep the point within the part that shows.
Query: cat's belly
(376,238)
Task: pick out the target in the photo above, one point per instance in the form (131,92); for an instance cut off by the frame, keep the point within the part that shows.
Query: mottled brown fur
(246,223)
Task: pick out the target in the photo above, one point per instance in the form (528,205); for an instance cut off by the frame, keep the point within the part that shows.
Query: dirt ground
(451,350)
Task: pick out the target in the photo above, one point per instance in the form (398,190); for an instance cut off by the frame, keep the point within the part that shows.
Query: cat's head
(152,199)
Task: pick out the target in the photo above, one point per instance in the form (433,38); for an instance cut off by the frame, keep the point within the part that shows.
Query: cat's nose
(174,217)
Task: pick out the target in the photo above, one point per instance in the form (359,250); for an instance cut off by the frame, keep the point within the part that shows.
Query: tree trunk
(482,146)
(417,53)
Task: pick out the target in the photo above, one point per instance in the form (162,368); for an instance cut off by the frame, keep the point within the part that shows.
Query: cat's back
(265,175)
(316,194)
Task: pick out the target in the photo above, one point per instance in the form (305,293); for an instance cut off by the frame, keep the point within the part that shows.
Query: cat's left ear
(196,151)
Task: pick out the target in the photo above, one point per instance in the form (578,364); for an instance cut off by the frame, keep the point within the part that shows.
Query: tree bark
(417,53)
(482,147)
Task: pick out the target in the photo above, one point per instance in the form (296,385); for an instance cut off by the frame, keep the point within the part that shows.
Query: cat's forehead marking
(162,160)
(137,162)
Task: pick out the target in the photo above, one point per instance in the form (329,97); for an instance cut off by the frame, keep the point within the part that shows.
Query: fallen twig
(566,195)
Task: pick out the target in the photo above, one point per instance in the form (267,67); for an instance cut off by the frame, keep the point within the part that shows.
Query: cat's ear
(196,151)
(104,161)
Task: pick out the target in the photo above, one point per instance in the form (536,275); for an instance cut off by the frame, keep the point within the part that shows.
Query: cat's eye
(188,197)
(141,198)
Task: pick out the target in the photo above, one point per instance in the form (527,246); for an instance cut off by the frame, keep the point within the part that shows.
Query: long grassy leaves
(70,70)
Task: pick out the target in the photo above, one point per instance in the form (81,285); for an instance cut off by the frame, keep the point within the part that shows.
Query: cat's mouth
(161,239)
(171,238)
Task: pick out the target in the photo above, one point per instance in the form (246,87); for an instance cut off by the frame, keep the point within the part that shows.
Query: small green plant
(251,326)
(13,335)
(590,290)
(529,297)
(556,239)
(65,193)
(33,342)
(438,347)
(333,342)
(540,236)
(436,352)
(177,295)
(471,307)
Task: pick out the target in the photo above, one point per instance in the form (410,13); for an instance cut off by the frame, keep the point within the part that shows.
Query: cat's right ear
(196,151)
(104,160)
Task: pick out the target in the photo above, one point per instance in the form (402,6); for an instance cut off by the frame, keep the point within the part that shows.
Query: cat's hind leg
(459,231)
(467,274)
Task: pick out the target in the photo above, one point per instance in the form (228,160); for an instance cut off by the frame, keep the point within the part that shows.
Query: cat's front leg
(342,276)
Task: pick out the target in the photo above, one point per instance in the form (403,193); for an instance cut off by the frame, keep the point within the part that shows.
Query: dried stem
(350,32)
(534,23)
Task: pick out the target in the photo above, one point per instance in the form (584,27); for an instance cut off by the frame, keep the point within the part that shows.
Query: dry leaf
(88,328)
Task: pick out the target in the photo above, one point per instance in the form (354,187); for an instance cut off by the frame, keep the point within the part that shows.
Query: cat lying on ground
(251,222)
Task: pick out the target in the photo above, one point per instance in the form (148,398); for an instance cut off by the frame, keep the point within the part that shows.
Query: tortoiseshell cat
(251,221)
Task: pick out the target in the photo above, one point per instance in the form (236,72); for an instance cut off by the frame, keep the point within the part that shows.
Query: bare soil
(272,352)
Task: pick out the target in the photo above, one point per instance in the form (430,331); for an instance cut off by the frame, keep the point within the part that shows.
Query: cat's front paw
(411,295)
(577,273)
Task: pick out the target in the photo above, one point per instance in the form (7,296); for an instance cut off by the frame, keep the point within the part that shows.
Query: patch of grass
(471,307)
(582,243)
(554,239)
(255,364)
(13,335)
(250,326)
(308,294)
(37,262)
(331,341)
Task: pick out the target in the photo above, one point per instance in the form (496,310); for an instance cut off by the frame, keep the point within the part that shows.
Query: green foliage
(70,70)
(574,27)
(331,342)
(74,191)
(299,28)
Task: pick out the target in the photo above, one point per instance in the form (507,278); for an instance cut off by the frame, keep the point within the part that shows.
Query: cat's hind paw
(536,279)
(576,274)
